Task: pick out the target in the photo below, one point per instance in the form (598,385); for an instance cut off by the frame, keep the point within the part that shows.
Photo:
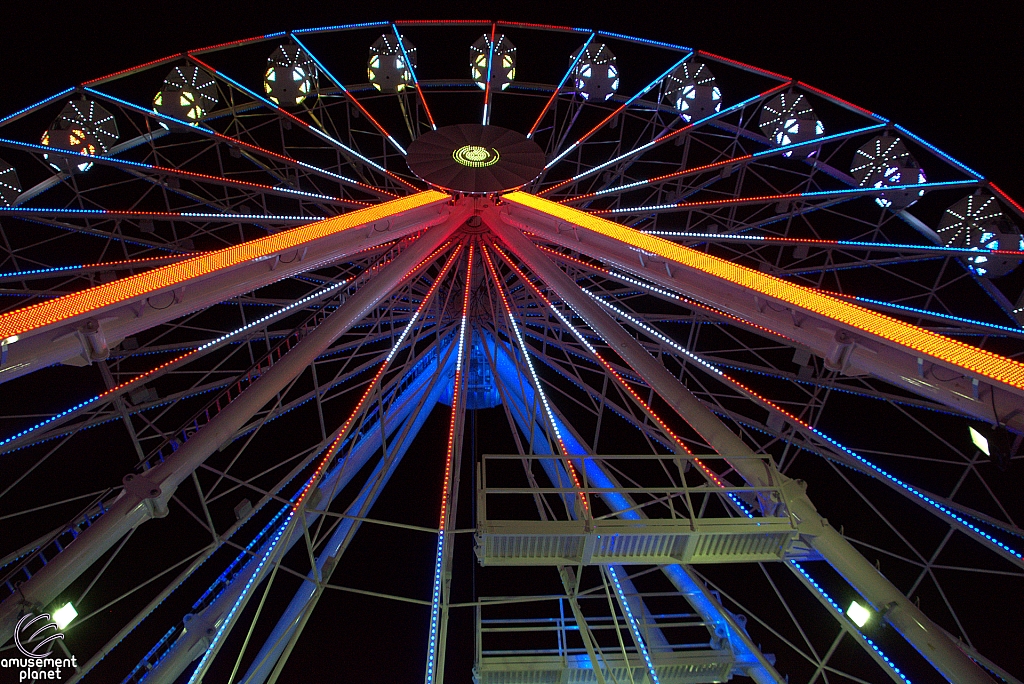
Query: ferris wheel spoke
(558,88)
(351,97)
(313,130)
(733,164)
(412,72)
(157,174)
(660,140)
(809,196)
(290,252)
(247,149)
(618,110)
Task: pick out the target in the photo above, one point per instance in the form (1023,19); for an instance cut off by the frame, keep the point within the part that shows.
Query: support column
(145,496)
(923,634)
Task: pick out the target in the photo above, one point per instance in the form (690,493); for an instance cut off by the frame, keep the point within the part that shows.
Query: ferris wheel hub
(474,159)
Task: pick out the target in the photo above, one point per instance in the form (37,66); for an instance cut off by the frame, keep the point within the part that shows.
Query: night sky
(952,77)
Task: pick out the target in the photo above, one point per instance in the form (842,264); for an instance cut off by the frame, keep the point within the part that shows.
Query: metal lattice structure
(660,415)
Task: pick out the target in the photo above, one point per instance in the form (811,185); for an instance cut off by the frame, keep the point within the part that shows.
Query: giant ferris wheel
(503,352)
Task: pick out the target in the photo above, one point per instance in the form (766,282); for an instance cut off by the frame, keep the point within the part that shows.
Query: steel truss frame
(689,284)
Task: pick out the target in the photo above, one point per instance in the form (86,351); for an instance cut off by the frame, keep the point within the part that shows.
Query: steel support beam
(81,327)
(752,296)
(923,634)
(194,641)
(146,496)
(306,596)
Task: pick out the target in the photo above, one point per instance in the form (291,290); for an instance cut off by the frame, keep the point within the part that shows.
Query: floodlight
(63,616)
(859,614)
(980,441)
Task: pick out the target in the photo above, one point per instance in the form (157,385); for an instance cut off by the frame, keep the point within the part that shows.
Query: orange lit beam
(976,362)
(166,278)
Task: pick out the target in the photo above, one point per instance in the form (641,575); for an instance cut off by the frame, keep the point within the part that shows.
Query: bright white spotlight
(63,616)
(859,614)
(980,441)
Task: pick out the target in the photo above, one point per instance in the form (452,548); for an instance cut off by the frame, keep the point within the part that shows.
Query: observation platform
(677,519)
(549,650)
(694,667)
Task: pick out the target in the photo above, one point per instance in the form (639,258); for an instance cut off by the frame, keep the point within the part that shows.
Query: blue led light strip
(951,317)
(646,41)
(191,124)
(641,148)
(316,131)
(794,196)
(942,154)
(892,478)
(348,93)
(487,83)
(186,357)
(633,626)
(643,91)
(168,215)
(561,83)
(457,390)
(412,72)
(839,611)
(37,104)
(829,243)
(342,27)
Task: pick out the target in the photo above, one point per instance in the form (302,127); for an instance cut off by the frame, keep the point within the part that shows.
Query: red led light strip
(412,70)
(977,362)
(306,126)
(838,99)
(657,141)
(346,426)
(499,282)
(1006,197)
(547,27)
(69,306)
(723,202)
(744,65)
(456,390)
(138,67)
(685,300)
(234,181)
(684,172)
